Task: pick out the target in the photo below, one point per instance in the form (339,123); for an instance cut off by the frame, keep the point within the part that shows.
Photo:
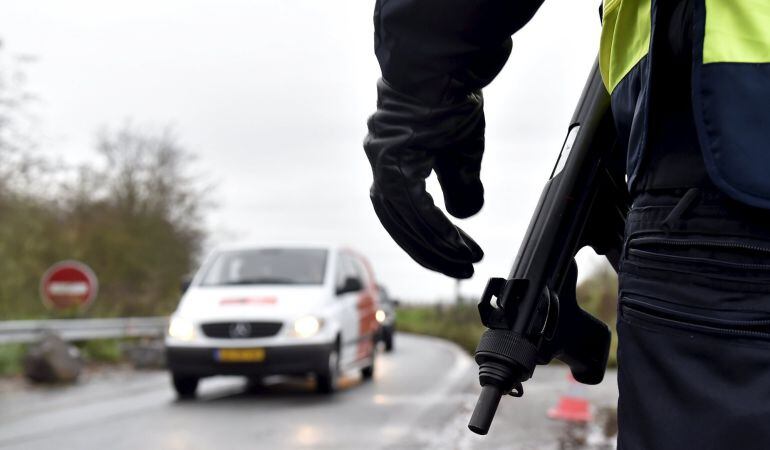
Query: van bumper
(283,360)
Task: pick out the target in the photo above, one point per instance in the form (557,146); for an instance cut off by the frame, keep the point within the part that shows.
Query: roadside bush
(102,350)
(459,324)
(598,294)
(11,358)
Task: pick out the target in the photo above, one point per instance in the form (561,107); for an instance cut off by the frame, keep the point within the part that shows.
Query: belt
(675,170)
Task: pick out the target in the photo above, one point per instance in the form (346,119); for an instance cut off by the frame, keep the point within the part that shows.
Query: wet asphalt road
(421,397)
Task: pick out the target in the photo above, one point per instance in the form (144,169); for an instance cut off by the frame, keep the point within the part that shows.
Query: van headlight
(307,326)
(181,329)
(380,316)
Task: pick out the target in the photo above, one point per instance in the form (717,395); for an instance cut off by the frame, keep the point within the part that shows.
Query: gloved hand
(408,139)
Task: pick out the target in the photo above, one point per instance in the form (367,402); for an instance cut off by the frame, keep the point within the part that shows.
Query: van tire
(388,339)
(326,382)
(185,386)
(367,372)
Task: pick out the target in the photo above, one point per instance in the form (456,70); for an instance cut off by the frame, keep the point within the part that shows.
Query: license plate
(241,355)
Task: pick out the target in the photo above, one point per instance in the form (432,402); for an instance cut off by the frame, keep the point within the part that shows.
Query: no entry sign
(68,284)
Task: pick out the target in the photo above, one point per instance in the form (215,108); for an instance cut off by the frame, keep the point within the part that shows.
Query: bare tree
(19,163)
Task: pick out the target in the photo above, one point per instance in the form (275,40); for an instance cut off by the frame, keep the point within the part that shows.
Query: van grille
(241,330)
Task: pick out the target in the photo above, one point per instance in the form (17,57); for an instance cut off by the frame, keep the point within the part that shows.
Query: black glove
(407,140)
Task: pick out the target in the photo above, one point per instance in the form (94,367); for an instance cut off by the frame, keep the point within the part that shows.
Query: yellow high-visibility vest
(730,86)
(736,31)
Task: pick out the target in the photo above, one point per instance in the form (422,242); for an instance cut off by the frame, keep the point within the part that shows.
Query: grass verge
(459,324)
(11,356)
(102,350)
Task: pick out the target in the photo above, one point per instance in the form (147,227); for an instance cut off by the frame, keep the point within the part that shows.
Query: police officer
(690,88)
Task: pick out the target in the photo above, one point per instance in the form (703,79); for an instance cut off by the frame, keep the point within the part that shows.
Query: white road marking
(456,377)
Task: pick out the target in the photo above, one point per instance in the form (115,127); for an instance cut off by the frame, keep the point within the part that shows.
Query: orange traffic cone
(573,406)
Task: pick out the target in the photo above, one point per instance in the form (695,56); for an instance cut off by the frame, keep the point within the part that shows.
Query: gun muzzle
(485,409)
(505,359)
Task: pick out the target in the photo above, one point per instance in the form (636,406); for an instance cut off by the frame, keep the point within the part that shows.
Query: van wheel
(185,386)
(367,373)
(388,341)
(326,382)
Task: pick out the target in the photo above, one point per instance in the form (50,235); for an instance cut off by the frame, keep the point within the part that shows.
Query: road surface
(421,398)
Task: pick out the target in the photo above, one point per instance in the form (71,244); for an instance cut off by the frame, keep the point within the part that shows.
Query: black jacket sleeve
(435,49)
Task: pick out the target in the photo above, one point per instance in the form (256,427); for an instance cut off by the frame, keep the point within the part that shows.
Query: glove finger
(458,167)
(452,244)
(458,171)
(416,208)
(472,244)
(416,246)
(436,244)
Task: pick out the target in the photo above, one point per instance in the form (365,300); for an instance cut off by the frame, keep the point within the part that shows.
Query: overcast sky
(273,96)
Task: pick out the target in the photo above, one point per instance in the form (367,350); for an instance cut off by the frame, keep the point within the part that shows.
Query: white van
(259,311)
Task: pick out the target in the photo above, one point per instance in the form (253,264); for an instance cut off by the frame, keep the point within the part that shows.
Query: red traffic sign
(68,284)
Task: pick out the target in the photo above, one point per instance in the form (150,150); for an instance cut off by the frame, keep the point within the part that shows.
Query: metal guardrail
(13,331)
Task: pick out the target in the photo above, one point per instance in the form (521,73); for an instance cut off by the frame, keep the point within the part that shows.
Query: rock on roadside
(52,360)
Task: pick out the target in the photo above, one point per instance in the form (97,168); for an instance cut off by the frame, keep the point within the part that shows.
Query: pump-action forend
(533,316)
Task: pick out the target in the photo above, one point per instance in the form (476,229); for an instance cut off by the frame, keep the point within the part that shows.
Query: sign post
(68,285)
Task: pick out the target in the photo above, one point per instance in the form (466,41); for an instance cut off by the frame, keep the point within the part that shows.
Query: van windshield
(267,266)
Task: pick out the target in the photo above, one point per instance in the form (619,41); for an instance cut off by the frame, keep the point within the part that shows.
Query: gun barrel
(485,410)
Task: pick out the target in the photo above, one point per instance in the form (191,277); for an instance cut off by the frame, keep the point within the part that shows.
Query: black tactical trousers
(694,323)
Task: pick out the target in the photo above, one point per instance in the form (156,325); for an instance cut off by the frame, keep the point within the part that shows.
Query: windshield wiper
(263,281)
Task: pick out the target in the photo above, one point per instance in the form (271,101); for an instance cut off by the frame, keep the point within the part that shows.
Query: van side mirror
(185,285)
(351,285)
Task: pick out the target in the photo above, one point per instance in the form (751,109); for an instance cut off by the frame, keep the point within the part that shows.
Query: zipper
(676,319)
(700,243)
(690,259)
